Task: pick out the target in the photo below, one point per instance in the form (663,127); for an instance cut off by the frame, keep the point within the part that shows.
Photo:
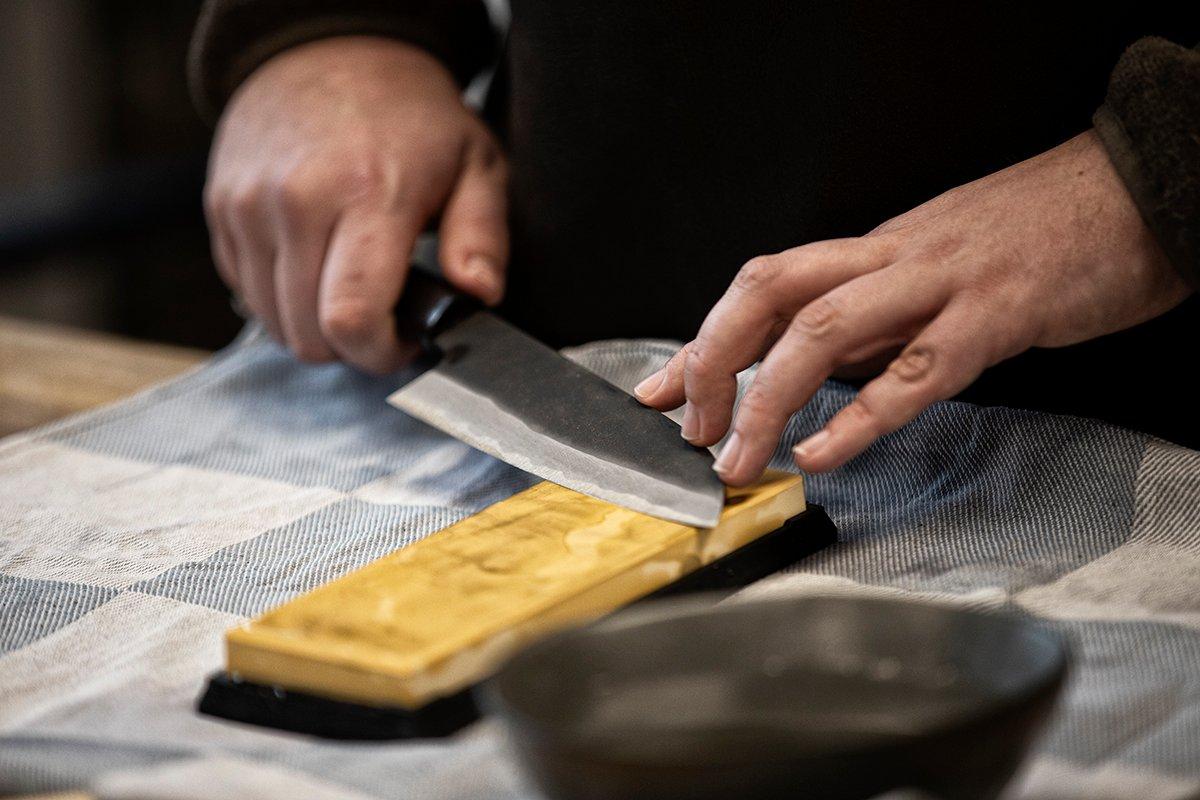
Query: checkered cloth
(132,537)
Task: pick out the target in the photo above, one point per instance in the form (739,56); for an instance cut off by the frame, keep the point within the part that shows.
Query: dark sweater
(656,146)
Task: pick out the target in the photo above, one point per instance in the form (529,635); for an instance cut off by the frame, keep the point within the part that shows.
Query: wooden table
(50,371)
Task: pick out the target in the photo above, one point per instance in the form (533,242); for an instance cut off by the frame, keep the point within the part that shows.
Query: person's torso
(656,147)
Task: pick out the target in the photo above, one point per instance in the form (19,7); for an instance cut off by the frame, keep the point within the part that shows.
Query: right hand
(328,162)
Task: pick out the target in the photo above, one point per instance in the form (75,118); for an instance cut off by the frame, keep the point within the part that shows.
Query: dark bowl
(813,697)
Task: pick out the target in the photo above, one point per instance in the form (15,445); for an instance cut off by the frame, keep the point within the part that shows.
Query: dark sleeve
(1150,126)
(233,37)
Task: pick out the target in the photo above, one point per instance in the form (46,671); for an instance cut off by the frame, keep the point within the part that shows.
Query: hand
(328,162)
(1046,253)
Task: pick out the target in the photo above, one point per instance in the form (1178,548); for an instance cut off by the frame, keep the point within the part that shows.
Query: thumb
(473,244)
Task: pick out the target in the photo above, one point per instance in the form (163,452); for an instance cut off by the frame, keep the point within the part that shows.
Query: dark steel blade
(507,394)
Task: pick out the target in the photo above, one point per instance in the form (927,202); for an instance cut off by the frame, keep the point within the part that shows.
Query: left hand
(1046,253)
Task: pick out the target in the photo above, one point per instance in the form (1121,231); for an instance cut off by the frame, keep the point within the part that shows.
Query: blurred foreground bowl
(810,697)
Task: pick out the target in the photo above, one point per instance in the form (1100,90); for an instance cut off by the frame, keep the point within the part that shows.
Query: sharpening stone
(391,650)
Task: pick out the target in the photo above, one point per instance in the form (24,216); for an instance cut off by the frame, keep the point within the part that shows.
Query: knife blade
(502,391)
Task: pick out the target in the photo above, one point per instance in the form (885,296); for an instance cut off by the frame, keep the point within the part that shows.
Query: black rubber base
(256,704)
(238,700)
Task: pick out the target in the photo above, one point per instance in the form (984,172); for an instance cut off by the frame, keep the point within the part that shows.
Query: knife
(503,392)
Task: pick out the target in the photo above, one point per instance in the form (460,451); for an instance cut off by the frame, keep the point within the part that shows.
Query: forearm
(233,37)
(1150,126)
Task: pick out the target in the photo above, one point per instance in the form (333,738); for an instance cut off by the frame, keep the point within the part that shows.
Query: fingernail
(728,458)
(691,423)
(650,385)
(812,445)
(483,270)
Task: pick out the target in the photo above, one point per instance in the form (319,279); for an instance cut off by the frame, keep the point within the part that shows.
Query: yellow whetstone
(441,614)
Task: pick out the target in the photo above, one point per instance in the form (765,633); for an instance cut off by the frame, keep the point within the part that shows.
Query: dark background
(101,168)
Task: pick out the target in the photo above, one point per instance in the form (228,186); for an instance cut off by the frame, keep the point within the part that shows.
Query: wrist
(358,62)
(1147,126)
(232,39)
(364,50)
(343,76)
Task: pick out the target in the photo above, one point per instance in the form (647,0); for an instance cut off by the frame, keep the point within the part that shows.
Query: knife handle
(428,306)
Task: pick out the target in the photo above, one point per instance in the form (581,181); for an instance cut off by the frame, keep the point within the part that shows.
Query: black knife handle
(429,305)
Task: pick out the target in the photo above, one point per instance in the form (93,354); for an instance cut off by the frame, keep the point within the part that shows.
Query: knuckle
(983,286)
(360,177)
(758,408)
(697,363)
(820,319)
(861,414)
(363,246)
(927,373)
(942,250)
(246,198)
(914,365)
(295,191)
(757,273)
(676,363)
(348,321)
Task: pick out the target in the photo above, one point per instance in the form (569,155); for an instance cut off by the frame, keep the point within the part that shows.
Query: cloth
(132,537)
(708,133)
(1150,125)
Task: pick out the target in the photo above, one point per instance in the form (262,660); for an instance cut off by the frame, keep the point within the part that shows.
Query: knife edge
(442,403)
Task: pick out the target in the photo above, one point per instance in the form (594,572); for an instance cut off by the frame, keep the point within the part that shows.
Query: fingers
(948,355)
(866,315)
(224,256)
(664,389)
(297,286)
(474,230)
(364,271)
(325,285)
(246,223)
(763,297)
(303,222)
(220,243)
